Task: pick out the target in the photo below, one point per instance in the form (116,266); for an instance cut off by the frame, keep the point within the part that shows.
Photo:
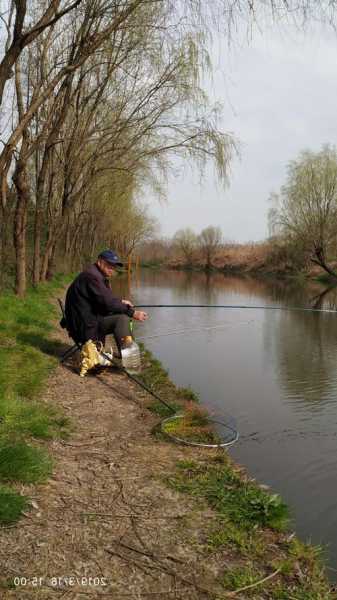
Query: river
(271,372)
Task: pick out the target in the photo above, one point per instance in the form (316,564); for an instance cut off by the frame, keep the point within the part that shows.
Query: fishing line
(225,306)
(179,331)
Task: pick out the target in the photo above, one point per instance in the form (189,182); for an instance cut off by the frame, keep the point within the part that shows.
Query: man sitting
(92,311)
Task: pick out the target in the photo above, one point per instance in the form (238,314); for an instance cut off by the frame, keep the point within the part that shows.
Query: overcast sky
(279,96)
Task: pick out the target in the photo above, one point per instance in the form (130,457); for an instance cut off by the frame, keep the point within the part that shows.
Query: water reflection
(210,286)
(305,350)
(275,371)
(326,298)
(305,346)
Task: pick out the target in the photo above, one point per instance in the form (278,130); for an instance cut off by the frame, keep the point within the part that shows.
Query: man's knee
(122,328)
(123,319)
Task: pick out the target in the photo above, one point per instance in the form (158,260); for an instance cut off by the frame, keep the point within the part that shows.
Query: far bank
(261,259)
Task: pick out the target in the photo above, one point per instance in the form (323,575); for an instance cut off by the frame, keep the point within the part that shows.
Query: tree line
(96,97)
(303,214)
(186,246)
(302,222)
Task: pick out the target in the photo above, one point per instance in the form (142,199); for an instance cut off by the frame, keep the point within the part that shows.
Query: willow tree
(151,108)
(89,25)
(210,241)
(23,26)
(306,213)
(113,216)
(186,240)
(128,117)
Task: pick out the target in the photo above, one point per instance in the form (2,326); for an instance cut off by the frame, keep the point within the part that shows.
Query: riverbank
(258,259)
(126,513)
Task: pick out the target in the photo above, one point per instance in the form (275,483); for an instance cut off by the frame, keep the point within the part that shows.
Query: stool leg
(70,352)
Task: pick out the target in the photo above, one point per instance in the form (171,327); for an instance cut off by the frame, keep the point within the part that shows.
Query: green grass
(195,426)
(156,378)
(241,576)
(153,375)
(192,426)
(11,505)
(27,356)
(152,264)
(243,502)
(22,462)
(249,526)
(245,542)
(161,410)
(188,394)
(32,418)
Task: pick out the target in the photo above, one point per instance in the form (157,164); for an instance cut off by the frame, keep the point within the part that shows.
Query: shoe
(105,358)
(126,342)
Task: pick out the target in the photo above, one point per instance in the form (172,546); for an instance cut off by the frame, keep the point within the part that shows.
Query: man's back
(88,298)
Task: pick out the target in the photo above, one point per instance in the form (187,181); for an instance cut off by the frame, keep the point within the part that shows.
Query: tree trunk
(320,260)
(93,242)
(67,246)
(51,263)
(20,226)
(48,251)
(3,244)
(208,261)
(37,246)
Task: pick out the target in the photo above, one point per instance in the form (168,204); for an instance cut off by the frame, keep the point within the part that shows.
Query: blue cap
(111,257)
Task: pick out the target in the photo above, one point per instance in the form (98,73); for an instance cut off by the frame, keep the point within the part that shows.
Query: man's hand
(139,315)
(128,303)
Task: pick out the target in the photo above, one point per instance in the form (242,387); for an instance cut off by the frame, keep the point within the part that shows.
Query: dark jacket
(88,299)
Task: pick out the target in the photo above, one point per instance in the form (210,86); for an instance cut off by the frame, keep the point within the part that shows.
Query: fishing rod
(242,306)
(175,416)
(136,380)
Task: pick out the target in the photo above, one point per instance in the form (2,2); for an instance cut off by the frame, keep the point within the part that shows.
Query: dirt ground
(106,524)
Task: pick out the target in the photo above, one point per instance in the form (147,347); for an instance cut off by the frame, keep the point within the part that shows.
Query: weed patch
(241,576)
(249,525)
(194,426)
(27,355)
(161,410)
(11,505)
(30,418)
(243,502)
(21,462)
(188,394)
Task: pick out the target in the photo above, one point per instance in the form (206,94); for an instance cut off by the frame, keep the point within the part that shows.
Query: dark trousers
(118,325)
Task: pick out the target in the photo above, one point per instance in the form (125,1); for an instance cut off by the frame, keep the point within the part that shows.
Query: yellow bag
(89,357)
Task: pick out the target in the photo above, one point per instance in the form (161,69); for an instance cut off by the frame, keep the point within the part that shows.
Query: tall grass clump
(27,356)
(250,526)
(192,426)
(11,505)
(22,462)
(238,499)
